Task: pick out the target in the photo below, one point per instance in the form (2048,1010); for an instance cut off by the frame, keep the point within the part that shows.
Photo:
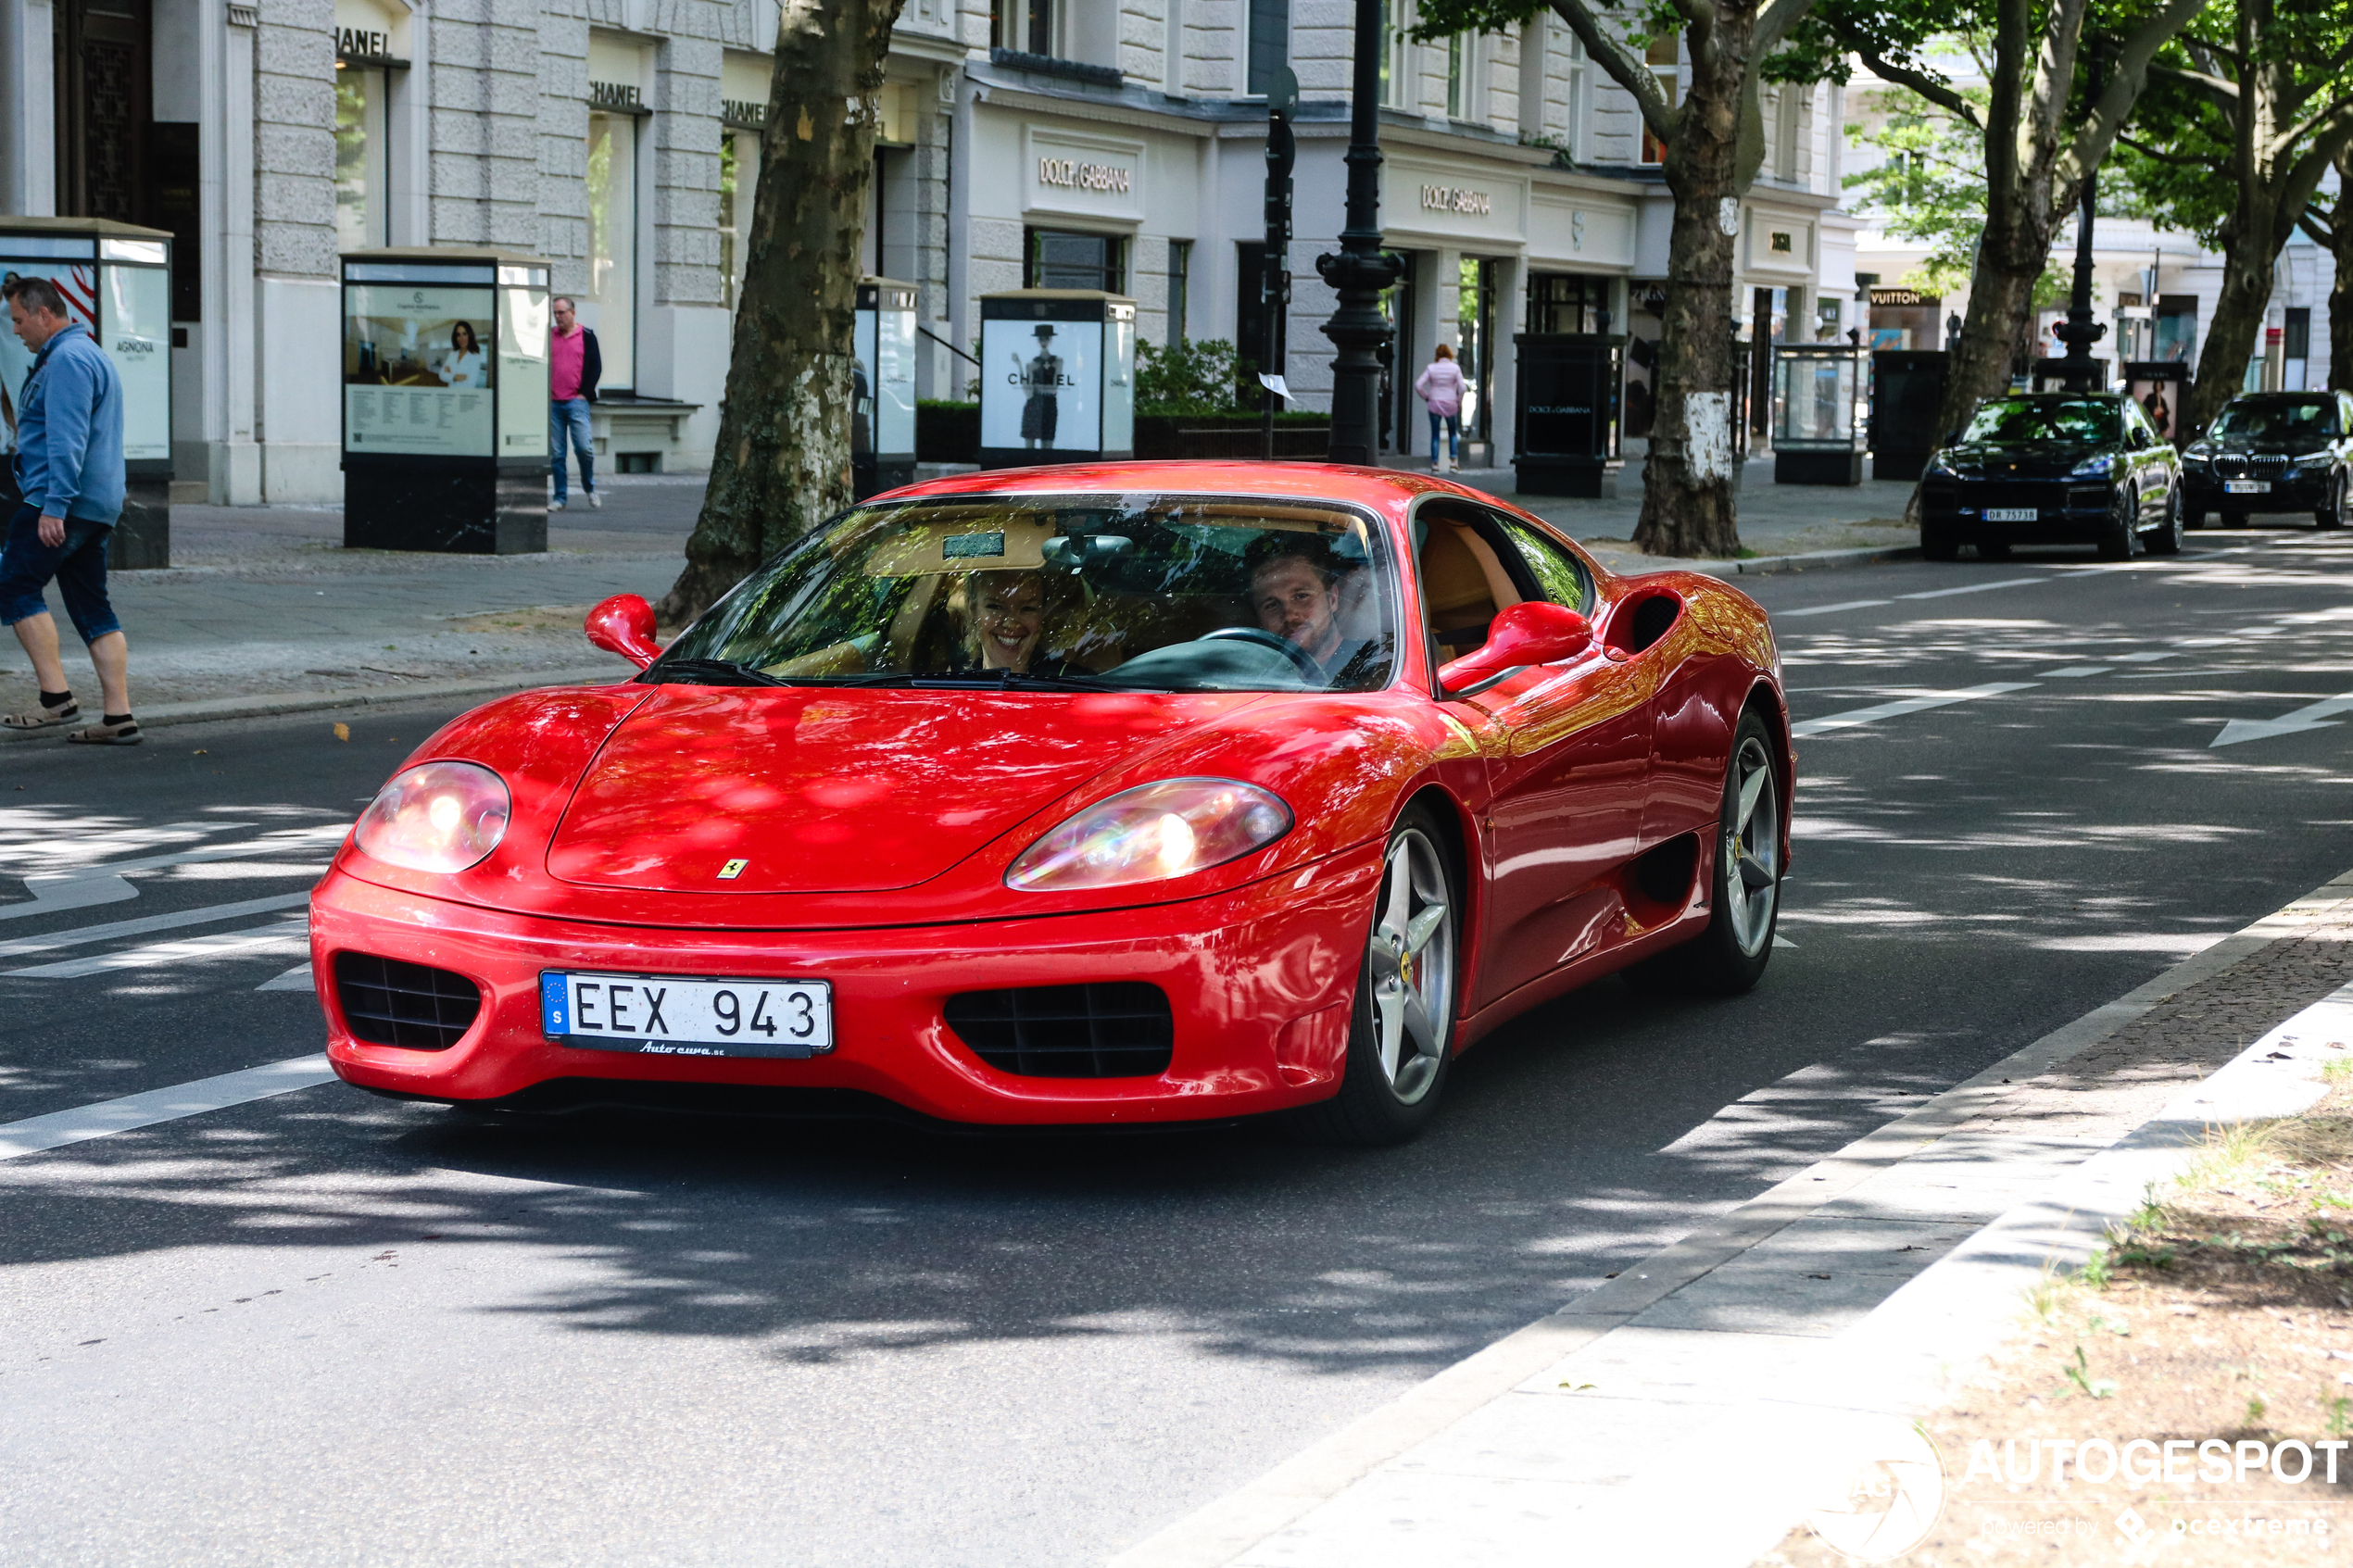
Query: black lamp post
(2081,332)
(1362,268)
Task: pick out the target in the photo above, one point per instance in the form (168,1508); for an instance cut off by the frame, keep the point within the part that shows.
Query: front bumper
(2065,512)
(1259,981)
(2297,491)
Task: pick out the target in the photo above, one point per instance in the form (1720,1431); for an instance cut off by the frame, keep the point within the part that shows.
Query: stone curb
(1231,1526)
(211,709)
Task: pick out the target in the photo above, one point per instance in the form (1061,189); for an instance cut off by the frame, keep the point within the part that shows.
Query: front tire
(2332,515)
(1402,1032)
(2122,538)
(1744,885)
(1940,540)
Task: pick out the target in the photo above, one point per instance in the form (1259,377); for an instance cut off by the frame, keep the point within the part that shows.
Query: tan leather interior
(1463,585)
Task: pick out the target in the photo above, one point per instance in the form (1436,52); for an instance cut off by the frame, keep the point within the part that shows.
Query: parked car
(1124,794)
(2053,468)
(2271,452)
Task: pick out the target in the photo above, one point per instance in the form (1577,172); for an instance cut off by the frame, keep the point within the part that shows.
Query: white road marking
(2141,658)
(85,886)
(1831,609)
(1977,588)
(1908,705)
(204,915)
(291,937)
(2318,715)
(59,1128)
(295,979)
(2071,672)
(1781,941)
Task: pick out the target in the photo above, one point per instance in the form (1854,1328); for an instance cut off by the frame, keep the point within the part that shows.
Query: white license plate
(664,1015)
(2011,514)
(2247,488)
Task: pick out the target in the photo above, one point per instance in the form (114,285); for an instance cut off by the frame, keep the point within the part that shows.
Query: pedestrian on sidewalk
(573,369)
(70,472)
(1440,386)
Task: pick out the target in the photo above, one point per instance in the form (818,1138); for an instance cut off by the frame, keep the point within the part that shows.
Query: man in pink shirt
(573,369)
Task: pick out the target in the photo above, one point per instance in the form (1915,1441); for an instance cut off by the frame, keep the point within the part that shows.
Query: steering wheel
(1308,667)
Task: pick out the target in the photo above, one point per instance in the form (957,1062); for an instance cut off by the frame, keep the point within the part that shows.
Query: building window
(1269,44)
(1180,286)
(1396,73)
(1026,25)
(1664,64)
(1058,258)
(1172,75)
(738,174)
(1567,302)
(610,303)
(359,157)
(1580,76)
(1462,69)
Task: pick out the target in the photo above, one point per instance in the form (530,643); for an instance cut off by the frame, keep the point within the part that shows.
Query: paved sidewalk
(1866,1287)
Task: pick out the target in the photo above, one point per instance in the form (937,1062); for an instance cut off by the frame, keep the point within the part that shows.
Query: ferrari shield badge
(732,870)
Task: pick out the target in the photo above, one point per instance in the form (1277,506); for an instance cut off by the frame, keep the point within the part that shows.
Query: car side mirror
(1531,631)
(2138,440)
(625,624)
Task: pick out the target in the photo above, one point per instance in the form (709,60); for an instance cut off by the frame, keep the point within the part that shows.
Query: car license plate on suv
(663,1015)
(2247,488)
(2011,514)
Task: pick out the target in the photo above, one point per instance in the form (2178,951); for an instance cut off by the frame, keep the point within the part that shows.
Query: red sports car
(1130,793)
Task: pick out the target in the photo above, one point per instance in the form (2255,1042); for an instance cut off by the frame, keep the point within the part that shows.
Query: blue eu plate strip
(554,1007)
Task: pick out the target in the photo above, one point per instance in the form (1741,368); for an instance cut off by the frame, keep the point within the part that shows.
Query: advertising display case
(2158,385)
(882,430)
(117,281)
(1057,377)
(1817,388)
(445,401)
(1567,423)
(1907,387)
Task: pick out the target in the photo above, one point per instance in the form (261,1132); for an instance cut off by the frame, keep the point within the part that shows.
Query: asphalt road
(322,1328)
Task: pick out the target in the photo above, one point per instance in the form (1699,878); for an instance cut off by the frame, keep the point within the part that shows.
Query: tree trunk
(2231,336)
(2341,290)
(1687,479)
(782,463)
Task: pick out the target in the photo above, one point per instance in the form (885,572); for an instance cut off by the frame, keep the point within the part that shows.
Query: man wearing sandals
(69,473)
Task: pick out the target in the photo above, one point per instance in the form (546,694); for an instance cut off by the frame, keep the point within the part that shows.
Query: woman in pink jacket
(1440,386)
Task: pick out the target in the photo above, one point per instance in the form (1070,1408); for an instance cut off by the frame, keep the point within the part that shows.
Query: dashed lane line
(59,1128)
(1977,587)
(1854,716)
(1829,610)
(204,915)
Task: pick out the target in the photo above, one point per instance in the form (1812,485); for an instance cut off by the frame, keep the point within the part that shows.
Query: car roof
(2058,397)
(2283,398)
(1385,490)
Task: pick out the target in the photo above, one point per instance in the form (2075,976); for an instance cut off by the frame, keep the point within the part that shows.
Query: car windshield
(1152,593)
(2020,420)
(2315,418)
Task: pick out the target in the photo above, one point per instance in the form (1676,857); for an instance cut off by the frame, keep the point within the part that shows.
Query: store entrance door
(103,87)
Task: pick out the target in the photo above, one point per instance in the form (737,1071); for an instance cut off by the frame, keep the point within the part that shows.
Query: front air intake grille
(2270,465)
(1111,1030)
(388,1002)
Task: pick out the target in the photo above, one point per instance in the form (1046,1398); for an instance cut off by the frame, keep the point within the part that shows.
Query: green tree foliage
(1190,376)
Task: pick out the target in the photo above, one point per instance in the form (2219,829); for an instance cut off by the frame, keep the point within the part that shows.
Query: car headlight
(435,817)
(2092,467)
(1938,467)
(2316,460)
(1151,833)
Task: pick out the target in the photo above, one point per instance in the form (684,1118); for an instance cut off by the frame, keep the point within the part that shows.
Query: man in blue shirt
(69,473)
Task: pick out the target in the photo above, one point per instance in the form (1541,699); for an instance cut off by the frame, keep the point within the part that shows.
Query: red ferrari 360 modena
(1118,794)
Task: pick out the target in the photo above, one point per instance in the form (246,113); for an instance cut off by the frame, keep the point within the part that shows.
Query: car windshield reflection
(2029,420)
(1152,592)
(2251,421)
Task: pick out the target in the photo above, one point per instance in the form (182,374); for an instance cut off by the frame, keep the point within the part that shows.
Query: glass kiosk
(117,281)
(1907,388)
(445,401)
(1816,439)
(1057,377)
(1566,427)
(882,432)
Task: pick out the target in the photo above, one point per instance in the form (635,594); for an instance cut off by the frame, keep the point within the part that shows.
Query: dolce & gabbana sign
(1457,198)
(1082,174)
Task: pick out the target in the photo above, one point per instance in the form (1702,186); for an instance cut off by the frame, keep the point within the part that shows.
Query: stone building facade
(620,139)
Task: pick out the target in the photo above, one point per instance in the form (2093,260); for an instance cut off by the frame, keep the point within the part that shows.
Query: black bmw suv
(2053,468)
(2271,452)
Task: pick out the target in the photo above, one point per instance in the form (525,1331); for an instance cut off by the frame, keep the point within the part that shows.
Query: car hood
(829,791)
(2019,462)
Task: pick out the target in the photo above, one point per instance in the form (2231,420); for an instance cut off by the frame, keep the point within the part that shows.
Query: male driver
(1295,594)
(70,472)
(575,366)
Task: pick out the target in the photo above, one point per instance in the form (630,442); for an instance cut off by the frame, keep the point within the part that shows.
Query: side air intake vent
(1111,1030)
(388,1002)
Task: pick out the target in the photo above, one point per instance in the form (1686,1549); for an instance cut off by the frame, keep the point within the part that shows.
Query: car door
(1568,753)
(2153,479)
